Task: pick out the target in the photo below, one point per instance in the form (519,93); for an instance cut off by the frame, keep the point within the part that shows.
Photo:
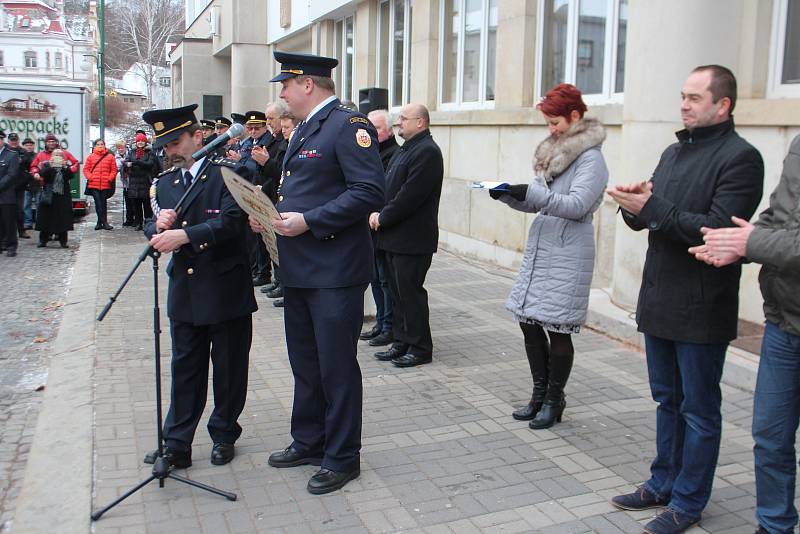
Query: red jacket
(100,169)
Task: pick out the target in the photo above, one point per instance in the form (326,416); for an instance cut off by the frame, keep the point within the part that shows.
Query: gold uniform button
(280,198)
(185,224)
(189,271)
(288,173)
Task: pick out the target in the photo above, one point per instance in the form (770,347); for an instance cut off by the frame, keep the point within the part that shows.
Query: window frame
(345,68)
(777,51)
(390,52)
(459,104)
(610,49)
(30,54)
(58,60)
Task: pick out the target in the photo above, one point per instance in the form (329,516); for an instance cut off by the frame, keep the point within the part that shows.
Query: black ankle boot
(550,413)
(538,356)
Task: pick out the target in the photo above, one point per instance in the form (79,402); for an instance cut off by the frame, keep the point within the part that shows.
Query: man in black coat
(408,232)
(23,176)
(9,175)
(688,310)
(332,180)
(210,300)
(381,333)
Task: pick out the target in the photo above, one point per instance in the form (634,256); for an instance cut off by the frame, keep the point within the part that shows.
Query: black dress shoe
(64,245)
(11,253)
(326,481)
(290,457)
(278,303)
(371,333)
(411,360)
(269,287)
(384,338)
(275,293)
(178,459)
(41,245)
(388,355)
(260,280)
(222,453)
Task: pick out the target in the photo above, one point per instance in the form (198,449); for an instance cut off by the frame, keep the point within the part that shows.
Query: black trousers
(228,344)
(257,253)
(140,210)
(129,217)
(322,327)
(8,226)
(20,211)
(410,315)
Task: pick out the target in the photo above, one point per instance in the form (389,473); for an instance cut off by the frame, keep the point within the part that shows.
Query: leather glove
(496,194)
(518,192)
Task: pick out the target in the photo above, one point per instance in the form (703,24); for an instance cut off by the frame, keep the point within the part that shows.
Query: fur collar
(554,155)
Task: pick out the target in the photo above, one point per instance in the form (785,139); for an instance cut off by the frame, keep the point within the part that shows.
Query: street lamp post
(101,80)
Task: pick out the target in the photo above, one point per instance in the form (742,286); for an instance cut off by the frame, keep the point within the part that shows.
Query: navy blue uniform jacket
(332,174)
(210,276)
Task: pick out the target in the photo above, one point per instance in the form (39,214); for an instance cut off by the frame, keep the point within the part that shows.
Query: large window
(394,49)
(467,53)
(785,52)
(582,42)
(30,59)
(59,60)
(344,51)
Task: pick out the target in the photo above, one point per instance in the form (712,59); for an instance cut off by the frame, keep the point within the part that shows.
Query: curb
(57,487)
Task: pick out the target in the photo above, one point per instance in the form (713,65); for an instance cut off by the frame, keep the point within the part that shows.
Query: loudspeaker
(372,98)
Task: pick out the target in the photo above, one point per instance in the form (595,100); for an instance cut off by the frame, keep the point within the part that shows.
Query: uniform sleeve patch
(363,139)
(362,120)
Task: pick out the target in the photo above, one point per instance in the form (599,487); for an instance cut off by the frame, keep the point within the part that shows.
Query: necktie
(187,179)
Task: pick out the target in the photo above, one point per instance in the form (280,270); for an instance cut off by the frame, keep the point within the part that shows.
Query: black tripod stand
(161,467)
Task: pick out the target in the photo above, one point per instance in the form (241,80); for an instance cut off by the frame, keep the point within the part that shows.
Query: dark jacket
(333,176)
(141,173)
(270,172)
(247,161)
(209,278)
(25,160)
(387,149)
(56,217)
(9,175)
(706,177)
(409,220)
(775,243)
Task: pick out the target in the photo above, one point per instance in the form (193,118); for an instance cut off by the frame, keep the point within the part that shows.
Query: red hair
(561,101)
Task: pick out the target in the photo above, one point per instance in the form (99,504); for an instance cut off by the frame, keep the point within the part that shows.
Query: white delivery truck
(33,108)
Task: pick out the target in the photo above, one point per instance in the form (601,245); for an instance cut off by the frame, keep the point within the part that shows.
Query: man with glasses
(408,233)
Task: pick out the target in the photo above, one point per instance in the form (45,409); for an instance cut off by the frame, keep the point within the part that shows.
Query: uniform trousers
(8,226)
(229,346)
(410,314)
(322,327)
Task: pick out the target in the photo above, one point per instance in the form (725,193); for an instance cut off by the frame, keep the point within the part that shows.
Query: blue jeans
(381,293)
(684,381)
(776,412)
(30,204)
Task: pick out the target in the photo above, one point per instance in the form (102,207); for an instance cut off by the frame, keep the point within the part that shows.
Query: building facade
(37,41)
(482,65)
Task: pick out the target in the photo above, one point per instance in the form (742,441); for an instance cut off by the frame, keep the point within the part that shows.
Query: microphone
(236,130)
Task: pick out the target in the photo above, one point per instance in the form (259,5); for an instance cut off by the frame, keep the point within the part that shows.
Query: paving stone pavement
(440,450)
(34,284)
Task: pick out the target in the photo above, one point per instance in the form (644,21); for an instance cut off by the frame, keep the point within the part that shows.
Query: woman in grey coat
(551,294)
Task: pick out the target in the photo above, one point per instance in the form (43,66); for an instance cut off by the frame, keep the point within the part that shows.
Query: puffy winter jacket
(100,169)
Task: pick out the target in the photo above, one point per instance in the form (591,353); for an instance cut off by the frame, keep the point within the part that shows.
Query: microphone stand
(161,468)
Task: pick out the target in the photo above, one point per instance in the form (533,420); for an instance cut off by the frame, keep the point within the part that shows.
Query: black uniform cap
(27,140)
(306,64)
(238,118)
(207,124)
(169,124)
(222,121)
(255,117)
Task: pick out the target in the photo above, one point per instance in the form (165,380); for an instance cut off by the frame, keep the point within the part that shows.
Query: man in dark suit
(408,231)
(332,180)
(9,171)
(381,333)
(210,300)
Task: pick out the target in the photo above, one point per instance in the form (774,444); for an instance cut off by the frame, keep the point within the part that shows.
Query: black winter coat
(409,222)
(57,217)
(141,173)
(706,177)
(270,172)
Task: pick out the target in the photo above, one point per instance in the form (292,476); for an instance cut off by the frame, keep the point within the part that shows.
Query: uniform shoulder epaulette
(224,161)
(171,169)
